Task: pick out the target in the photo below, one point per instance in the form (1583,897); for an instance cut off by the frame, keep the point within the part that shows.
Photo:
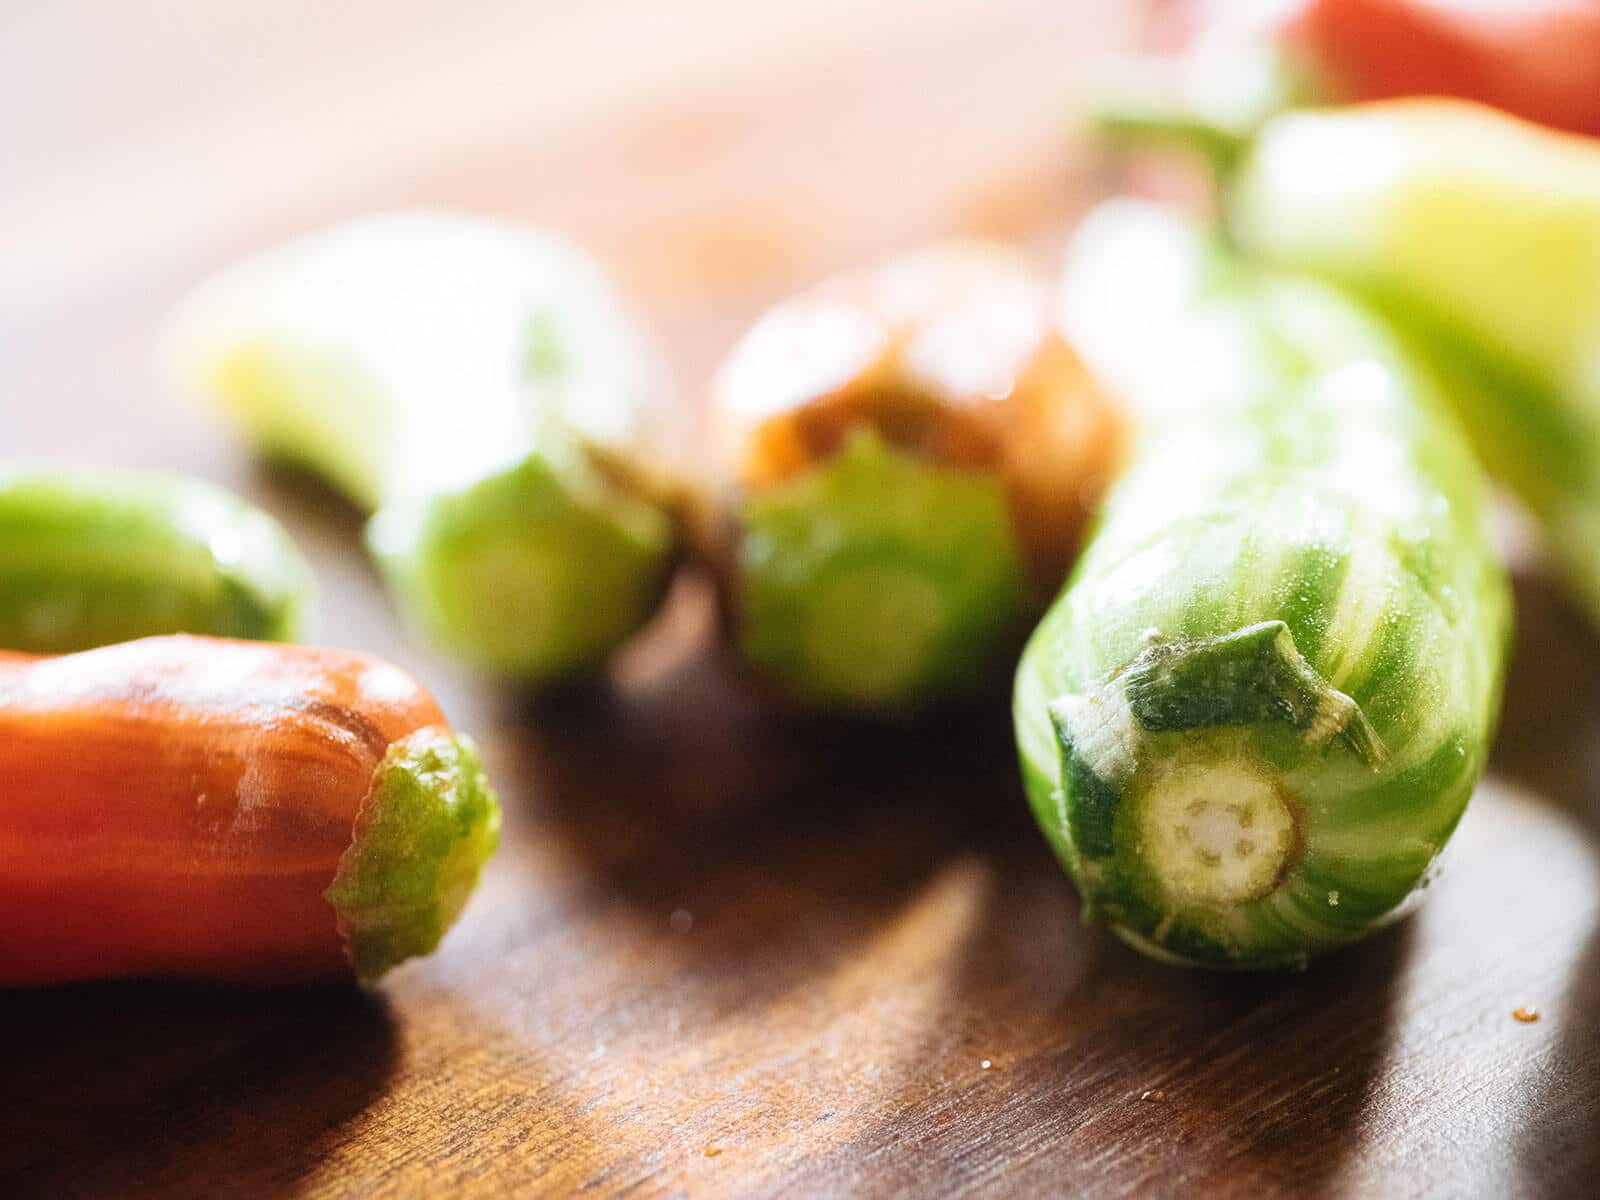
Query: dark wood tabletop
(723,950)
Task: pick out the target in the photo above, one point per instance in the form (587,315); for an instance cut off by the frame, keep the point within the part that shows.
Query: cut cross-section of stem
(1216,832)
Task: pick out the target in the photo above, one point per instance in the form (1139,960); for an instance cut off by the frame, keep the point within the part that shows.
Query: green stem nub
(536,571)
(1211,103)
(880,581)
(424,833)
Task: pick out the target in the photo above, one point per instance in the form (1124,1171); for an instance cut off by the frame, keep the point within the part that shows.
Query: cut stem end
(1217,833)
(424,833)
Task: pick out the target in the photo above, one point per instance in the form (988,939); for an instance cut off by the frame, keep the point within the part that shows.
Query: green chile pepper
(1255,715)
(482,390)
(90,556)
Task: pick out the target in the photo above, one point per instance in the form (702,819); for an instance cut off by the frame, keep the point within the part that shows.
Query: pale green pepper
(483,391)
(1479,235)
(90,556)
(1255,715)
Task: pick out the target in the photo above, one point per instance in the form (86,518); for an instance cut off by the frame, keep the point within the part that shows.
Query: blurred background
(713,154)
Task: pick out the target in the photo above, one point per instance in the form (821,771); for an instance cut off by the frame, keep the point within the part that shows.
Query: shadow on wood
(132,1088)
(892,876)
(690,794)
(1549,738)
(307,503)
(1550,742)
(1558,1142)
(1147,1080)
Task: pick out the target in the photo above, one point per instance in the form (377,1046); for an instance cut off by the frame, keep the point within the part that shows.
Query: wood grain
(725,951)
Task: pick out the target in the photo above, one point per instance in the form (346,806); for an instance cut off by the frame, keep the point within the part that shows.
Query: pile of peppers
(1269,623)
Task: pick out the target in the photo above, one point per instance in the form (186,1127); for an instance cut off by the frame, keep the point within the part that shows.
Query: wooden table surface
(722,952)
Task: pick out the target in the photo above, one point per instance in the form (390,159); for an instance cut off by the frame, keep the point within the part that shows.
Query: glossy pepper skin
(213,809)
(909,454)
(1536,59)
(1479,235)
(90,556)
(1255,715)
(482,389)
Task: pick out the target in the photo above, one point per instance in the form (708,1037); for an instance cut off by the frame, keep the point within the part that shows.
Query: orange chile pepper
(183,806)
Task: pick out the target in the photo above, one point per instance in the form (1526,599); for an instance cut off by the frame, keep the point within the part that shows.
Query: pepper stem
(1216,832)
(880,581)
(1210,821)
(429,824)
(1212,103)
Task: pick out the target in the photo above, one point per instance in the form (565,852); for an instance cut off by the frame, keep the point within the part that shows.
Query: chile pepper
(1538,60)
(484,392)
(90,556)
(1255,715)
(183,806)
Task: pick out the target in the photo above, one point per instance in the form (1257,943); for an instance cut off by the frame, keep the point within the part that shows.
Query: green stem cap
(536,571)
(429,825)
(1211,103)
(880,581)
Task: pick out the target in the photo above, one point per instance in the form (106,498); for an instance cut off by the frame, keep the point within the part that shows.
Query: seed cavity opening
(1217,832)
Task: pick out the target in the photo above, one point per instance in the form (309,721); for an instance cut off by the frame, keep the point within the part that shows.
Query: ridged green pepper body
(1479,236)
(483,391)
(1255,715)
(90,556)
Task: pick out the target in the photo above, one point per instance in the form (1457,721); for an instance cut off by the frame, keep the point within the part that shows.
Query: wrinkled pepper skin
(207,809)
(909,455)
(1255,715)
(1479,236)
(483,391)
(90,556)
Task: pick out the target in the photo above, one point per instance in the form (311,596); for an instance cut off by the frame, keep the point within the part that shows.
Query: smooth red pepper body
(1539,59)
(178,806)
